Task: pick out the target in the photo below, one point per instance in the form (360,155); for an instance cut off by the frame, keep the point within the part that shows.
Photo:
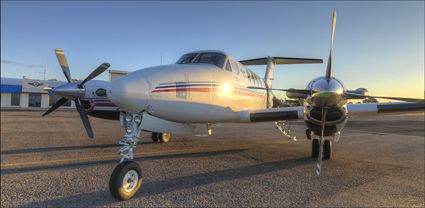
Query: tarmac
(49,161)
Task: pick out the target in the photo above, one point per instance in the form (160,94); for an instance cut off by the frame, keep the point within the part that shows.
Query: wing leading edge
(281,60)
(295,113)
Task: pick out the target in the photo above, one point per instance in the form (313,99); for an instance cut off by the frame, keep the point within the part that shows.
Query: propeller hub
(326,92)
(70,90)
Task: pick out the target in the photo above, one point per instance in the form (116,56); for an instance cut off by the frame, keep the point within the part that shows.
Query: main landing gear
(126,179)
(161,137)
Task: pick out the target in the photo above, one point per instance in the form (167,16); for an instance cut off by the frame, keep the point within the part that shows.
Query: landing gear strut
(327,149)
(126,179)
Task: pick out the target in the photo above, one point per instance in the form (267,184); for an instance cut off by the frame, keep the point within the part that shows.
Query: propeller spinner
(74,90)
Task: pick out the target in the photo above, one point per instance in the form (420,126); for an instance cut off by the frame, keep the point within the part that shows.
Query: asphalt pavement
(49,161)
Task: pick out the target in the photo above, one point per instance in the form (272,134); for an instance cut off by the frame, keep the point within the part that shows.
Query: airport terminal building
(30,93)
(25,93)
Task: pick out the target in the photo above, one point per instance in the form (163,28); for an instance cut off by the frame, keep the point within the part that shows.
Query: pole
(45,72)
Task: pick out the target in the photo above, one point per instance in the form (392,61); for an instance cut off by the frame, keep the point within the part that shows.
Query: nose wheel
(327,149)
(126,180)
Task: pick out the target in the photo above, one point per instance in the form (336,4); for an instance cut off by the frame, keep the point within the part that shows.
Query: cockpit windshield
(207,58)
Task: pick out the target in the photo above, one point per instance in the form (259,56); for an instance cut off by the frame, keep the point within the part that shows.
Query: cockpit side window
(187,58)
(211,58)
(228,67)
(242,69)
(235,67)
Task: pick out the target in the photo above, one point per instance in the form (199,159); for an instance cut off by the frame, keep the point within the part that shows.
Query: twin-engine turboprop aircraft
(207,87)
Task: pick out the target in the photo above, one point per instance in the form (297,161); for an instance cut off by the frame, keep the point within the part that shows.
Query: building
(24,93)
(30,93)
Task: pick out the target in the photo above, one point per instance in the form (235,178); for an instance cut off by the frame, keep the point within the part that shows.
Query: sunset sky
(378,45)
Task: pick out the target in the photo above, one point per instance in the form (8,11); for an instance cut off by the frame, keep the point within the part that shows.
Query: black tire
(308,134)
(155,137)
(327,150)
(164,137)
(315,148)
(116,181)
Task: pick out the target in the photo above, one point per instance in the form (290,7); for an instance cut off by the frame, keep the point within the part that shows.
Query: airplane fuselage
(188,93)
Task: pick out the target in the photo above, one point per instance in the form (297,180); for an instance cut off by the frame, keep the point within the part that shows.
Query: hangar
(29,93)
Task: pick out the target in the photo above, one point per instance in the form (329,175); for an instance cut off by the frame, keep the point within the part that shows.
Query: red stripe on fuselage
(198,89)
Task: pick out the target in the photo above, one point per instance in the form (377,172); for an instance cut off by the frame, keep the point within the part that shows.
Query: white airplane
(207,87)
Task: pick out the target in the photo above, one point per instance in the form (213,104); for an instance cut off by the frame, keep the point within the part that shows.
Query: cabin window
(249,75)
(228,67)
(244,73)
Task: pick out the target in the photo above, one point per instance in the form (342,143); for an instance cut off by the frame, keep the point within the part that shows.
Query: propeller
(322,132)
(351,95)
(329,66)
(74,90)
(300,91)
(325,109)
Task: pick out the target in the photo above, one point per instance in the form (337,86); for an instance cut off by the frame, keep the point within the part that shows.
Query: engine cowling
(336,119)
(294,95)
(360,91)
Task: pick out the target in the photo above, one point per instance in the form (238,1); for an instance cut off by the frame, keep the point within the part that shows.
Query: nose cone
(129,93)
(327,92)
(71,90)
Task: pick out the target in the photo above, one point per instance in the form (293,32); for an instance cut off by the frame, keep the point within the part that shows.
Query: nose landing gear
(126,179)
(327,149)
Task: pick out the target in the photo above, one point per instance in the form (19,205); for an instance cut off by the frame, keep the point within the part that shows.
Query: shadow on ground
(174,184)
(146,158)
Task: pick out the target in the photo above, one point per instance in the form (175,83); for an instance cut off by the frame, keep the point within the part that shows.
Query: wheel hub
(130,181)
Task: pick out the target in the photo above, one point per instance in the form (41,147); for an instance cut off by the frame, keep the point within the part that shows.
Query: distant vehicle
(206,87)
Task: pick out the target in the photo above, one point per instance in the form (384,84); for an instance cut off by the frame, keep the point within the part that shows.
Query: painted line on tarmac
(146,154)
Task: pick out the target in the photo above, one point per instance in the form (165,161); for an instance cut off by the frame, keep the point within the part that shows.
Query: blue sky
(378,45)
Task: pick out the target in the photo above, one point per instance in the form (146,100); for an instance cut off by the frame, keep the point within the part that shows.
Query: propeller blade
(64,63)
(58,104)
(307,92)
(350,95)
(99,70)
(319,160)
(84,117)
(329,66)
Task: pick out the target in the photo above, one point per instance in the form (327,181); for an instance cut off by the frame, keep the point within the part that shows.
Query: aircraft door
(183,92)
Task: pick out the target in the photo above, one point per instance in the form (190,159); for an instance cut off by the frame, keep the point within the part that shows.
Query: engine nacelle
(294,95)
(336,118)
(360,91)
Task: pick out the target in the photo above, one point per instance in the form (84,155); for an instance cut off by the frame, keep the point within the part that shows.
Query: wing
(281,60)
(295,113)
(274,114)
(376,108)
